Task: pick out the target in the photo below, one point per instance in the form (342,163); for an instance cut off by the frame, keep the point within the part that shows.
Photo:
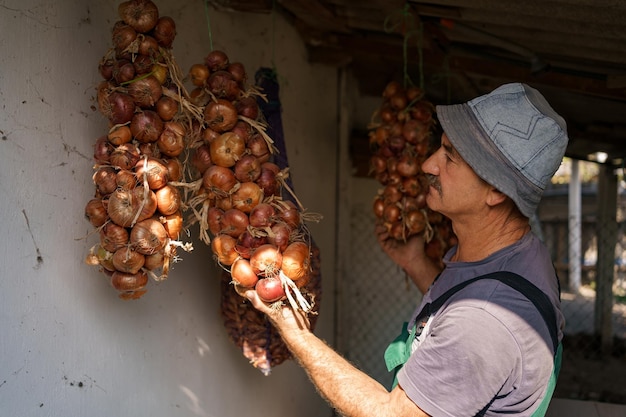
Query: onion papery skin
(148,236)
(270,290)
(266,260)
(243,274)
(141,15)
(128,260)
(223,247)
(125,282)
(296,263)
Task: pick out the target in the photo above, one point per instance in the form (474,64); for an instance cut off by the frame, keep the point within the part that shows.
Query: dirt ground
(587,376)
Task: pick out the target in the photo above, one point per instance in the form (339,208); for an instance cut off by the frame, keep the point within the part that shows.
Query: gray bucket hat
(511,138)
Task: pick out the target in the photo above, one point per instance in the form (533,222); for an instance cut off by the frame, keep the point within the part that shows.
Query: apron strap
(399,351)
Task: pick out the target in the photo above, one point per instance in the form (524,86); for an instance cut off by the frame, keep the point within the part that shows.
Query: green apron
(399,351)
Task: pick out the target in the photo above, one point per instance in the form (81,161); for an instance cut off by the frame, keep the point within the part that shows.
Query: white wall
(69,346)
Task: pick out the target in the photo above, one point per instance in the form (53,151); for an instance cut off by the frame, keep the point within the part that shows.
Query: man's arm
(351,392)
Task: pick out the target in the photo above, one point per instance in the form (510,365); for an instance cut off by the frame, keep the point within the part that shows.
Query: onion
(223,85)
(209,135)
(123,71)
(411,186)
(270,289)
(150,150)
(173,224)
(408,166)
(247,243)
(289,214)
(223,247)
(167,108)
(214,219)
(247,196)
(124,205)
(248,168)
(148,236)
(143,64)
(160,72)
(378,164)
(165,31)
(280,236)
(125,156)
(415,222)
(398,101)
(154,261)
(422,111)
(379,207)
(129,283)
(220,115)
(144,203)
(248,107)
(391,212)
(171,142)
(392,88)
(257,146)
(102,150)
(216,60)
(222,202)
(148,46)
(142,15)
(119,108)
(119,135)
(242,273)
(113,237)
(199,74)
(106,68)
(227,149)
(266,260)
(296,261)
(201,158)
(219,180)
(168,200)
(268,181)
(241,129)
(262,215)
(392,194)
(146,92)
(104,179)
(128,260)
(153,171)
(234,222)
(238,71)
(174,168)
(123,36)
(95,212)
(199,97)
(126,179)
(146,126)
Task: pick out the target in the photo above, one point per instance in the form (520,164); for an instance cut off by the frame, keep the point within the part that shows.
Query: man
(488,349)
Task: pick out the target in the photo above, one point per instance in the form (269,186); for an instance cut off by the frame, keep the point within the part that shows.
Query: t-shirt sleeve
(468,357)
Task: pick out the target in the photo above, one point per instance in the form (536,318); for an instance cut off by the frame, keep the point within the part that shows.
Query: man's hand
(283,317)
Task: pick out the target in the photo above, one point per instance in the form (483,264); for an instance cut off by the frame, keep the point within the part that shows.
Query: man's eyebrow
(450,149)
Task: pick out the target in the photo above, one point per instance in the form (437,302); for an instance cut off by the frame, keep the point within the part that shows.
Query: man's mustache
(433,180)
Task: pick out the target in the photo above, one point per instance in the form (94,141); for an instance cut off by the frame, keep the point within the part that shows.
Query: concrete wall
(69,346)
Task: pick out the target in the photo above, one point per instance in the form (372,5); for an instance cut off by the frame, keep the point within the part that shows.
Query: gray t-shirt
(488,342)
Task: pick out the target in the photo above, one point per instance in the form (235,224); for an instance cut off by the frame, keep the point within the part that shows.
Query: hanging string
(409,25)
(208,22)
(274,36)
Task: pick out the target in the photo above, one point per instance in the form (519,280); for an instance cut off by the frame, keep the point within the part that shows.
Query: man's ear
(495,197)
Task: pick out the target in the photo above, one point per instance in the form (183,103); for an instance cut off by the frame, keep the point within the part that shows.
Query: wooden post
(607,239)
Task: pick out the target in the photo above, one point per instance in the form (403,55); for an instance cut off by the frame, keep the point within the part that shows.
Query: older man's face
(455,189)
